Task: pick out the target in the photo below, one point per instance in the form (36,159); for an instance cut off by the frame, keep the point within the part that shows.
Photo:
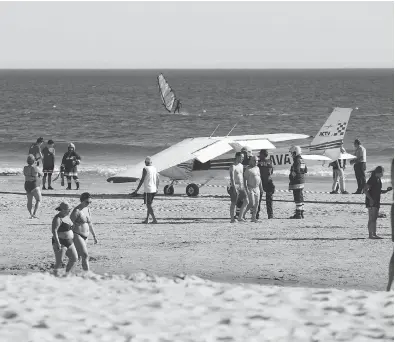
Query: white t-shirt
(150,179)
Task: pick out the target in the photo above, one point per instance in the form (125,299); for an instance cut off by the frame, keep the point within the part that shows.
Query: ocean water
(115,117)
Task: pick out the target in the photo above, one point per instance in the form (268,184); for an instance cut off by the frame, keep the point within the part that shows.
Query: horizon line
(159,68)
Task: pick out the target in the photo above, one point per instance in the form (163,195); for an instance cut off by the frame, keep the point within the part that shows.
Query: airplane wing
(262,144)
(315,157)
(202,149)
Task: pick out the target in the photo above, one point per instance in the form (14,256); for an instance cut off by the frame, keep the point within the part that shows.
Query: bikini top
(64,226)
(81,218)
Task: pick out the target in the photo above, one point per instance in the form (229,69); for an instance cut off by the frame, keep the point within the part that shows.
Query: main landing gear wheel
(168,190)
(192,190)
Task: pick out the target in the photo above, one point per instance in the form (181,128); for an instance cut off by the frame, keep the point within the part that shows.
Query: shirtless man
(237,190)
(253,186)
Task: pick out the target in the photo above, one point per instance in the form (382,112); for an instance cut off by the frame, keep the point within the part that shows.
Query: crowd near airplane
(205,158)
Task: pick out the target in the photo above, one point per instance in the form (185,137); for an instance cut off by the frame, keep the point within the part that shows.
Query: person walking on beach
(70,161)
(35,150)
(253,186)
(359,165)
(372,201)
(391,265)
(237,190)
(150,178)
(82,224)
(296,181)
(48,163)
(62,238)
(32,185)
(178,107)
(265,166)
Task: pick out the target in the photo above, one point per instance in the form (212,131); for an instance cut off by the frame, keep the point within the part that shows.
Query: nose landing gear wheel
(168,190)
(192,190)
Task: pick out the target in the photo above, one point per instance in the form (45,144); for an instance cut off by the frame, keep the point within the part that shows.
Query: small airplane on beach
(207,158)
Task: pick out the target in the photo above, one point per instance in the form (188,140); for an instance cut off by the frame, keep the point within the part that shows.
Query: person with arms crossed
(150,178)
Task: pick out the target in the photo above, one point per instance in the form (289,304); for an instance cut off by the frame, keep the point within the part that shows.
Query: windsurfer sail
(167,94)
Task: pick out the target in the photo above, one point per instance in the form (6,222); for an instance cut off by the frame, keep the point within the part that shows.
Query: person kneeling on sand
(150,178)
(237,190)
(373,195)
(82,224)
(253,186)
(62,239)
(32,185)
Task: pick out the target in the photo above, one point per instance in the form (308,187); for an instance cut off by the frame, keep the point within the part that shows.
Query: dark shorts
(237,194)
(48,169)
(149,197)
(64,242)
(31,185)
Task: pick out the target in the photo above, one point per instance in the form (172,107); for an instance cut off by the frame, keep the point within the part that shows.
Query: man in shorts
(253,186)
(150,178)
(237,190)
(48,163)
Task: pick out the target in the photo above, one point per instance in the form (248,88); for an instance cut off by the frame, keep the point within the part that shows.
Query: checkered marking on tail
(341,128)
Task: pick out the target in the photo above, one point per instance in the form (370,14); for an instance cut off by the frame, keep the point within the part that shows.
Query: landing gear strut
(168,190)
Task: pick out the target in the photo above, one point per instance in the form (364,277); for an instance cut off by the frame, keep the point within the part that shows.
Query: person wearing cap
(373,191)
(253,186)
(150,179)
(62,238)
(82,224)
(359,165)
(32,185)
(70,161)
(237,190)
(265,166)
(48,163)
(296,180)
(35,150)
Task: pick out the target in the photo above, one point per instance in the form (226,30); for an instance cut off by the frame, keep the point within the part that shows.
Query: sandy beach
(321,273)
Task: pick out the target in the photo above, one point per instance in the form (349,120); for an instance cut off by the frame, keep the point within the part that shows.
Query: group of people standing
(251,176)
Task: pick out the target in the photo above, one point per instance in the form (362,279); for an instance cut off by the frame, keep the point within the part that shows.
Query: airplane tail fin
(330,137)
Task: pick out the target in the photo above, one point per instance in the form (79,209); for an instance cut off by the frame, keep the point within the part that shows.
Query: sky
(203,34)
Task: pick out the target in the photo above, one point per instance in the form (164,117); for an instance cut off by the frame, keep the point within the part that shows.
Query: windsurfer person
(178,107)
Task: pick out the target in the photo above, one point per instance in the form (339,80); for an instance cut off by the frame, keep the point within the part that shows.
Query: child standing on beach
(48,163)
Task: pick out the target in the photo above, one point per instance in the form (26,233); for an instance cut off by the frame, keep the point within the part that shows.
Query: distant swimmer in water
(32,184)
(178,107)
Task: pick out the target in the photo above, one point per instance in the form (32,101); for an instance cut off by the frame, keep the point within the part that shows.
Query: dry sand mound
(40,307)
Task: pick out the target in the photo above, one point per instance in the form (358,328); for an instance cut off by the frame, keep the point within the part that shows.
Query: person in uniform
(296,180)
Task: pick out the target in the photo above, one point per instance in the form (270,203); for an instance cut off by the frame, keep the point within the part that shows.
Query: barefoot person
(35,150)
(48,163)
(237,190)
(32,185)
(150,178)
(62,239)
(82,224)
(373,195)
(253,186)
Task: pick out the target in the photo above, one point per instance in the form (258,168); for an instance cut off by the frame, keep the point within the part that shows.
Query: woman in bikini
(81,218)
(62,239)
(32,185)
